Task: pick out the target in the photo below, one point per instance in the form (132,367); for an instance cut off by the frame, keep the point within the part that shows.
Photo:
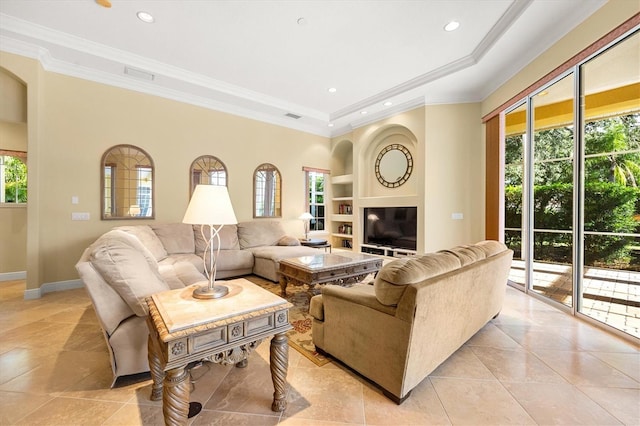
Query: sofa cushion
(391,281)
(259,233)
(147,237)
(180,274)
(177,238)
(128,268)
(491,247)
(288,241)
(466,254)
(228,238)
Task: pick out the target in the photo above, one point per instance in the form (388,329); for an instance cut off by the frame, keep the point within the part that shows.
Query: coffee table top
(179,310)
(324,261)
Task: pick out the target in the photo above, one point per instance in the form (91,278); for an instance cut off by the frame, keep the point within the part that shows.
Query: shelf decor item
(210,205)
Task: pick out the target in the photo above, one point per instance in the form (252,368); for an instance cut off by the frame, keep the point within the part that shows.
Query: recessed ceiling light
(302,21)
(330,124)
(145,17)
(363,112)
(452,26)
(388,103)
(332,90)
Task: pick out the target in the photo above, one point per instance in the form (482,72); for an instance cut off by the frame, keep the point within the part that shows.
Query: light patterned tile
(479,402)
(582,368)
(623,404)
(569,407)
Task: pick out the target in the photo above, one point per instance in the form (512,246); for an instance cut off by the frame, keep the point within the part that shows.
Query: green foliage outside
(15,178)
(611,193)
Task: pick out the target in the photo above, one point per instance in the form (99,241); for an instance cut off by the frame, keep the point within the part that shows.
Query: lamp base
(215,292)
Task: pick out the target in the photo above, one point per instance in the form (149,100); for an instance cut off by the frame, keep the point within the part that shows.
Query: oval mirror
(394,165)
(127,183)
(208,170)
(267,186)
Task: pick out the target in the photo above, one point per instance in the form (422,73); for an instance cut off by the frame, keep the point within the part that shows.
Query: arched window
(208,170)
(127,183)
(267,191)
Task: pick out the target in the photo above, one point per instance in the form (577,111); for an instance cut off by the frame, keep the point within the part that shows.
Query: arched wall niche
(342,158)
(378,141)
(13,103)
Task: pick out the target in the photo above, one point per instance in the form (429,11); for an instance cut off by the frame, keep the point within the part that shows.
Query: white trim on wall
(11,276)
(37,293)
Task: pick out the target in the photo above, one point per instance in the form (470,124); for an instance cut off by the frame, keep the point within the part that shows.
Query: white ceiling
(253,58)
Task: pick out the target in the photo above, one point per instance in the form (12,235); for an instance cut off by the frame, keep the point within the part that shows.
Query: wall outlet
(80,216)
(74,199)
(456,216)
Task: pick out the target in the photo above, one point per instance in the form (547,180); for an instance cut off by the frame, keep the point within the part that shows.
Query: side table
(316,243)
(225,331)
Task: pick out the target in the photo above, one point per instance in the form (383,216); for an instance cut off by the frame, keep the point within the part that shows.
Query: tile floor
(531,365)
(610,296)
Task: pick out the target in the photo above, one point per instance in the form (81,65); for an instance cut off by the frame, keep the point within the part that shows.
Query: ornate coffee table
(225,331)
(342,269)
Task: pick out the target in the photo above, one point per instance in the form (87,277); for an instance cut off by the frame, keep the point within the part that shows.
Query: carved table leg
(279,358)
(283,285)
(157,374)
(243,363)
(175,401)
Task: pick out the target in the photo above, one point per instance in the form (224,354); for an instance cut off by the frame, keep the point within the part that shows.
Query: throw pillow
(288,241)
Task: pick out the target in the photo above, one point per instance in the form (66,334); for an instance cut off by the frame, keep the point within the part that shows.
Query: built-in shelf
(342,198)
(342,217)
(342,235)
(342,179)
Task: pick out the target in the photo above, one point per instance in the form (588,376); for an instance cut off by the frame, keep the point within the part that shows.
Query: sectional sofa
(129,263)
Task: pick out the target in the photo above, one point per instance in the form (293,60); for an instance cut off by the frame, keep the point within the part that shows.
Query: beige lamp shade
(211,205)
(306,216)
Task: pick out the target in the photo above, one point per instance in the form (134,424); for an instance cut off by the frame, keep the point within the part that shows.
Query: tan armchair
(418,312)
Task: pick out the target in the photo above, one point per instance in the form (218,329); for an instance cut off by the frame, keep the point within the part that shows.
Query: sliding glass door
(572,197)
(611,139)
(552,183)
(515,143)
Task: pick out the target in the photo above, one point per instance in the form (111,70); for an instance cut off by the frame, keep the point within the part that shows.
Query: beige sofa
(418,312)
(129,263)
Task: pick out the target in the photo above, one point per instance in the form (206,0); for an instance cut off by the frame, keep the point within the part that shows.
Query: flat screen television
(394,227)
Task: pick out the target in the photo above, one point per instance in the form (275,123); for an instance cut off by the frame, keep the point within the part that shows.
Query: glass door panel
(515,141)
(552,206)
(611,142)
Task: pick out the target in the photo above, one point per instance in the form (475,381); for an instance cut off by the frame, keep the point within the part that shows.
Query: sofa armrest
(316,307)
(360,294)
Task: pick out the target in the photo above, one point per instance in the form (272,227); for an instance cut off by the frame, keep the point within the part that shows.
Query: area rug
(299,317)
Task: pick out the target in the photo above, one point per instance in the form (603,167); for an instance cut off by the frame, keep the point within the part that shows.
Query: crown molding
(504,23)
(28,29)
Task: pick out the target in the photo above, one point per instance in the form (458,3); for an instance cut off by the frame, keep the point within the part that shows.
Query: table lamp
(210,205)
(306,217)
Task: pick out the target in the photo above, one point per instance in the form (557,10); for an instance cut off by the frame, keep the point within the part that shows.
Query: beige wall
(454,175)
(78,120)
(608,17)
(448,176)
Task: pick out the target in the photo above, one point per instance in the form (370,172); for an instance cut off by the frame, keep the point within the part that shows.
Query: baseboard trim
(37,293)
(12,276)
